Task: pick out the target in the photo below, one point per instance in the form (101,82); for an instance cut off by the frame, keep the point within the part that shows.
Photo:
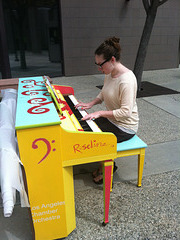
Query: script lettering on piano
(78,148)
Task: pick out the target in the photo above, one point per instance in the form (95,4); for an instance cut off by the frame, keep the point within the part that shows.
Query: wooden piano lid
(9,83)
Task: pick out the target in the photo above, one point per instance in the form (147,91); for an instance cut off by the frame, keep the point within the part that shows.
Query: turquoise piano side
(34,105)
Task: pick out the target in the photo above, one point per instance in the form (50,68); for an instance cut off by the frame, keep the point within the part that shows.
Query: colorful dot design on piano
(35,92)
(48,145)
(54,149)
(62,117)
(31,83)
(66,107)
(39,105)
(38,109)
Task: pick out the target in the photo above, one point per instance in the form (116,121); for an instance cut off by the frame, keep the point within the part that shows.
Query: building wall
(85,24)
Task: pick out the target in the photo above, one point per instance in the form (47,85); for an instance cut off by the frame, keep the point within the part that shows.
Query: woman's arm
(93,116)
(89,105)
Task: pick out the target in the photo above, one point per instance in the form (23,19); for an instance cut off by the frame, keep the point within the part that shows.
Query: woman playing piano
(119,95)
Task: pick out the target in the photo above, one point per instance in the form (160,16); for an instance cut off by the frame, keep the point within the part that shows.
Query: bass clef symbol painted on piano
(48,145)
(39,103)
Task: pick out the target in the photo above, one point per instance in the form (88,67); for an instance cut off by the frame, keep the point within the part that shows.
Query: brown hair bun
(110,47)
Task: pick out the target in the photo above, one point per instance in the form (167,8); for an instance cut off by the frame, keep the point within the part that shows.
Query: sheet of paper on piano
(53,94)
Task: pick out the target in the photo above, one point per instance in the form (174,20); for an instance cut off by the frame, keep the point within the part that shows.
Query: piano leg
(107,187)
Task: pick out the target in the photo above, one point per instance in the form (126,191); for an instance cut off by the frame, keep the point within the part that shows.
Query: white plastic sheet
(10,169)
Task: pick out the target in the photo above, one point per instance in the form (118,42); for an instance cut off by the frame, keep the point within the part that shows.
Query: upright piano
(52,139)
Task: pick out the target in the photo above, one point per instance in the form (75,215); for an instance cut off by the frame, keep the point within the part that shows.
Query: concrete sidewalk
(150,212)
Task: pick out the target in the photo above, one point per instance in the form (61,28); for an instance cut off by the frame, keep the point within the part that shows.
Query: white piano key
(91,124)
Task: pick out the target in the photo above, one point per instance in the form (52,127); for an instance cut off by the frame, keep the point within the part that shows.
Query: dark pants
(106,126)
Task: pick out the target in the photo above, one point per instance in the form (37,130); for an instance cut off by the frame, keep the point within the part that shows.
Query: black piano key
(78,115)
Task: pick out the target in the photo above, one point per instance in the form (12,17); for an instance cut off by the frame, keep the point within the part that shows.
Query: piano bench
(133,146)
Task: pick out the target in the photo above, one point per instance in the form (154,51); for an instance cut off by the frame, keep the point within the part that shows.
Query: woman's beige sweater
(119,96)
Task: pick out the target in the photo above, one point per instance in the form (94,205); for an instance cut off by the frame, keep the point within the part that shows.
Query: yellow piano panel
(50,144)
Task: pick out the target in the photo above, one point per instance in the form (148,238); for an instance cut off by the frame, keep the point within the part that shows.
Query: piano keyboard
(87,125)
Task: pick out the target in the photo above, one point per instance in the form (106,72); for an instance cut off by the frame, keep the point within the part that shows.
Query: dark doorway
(34,37)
